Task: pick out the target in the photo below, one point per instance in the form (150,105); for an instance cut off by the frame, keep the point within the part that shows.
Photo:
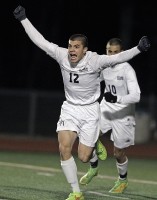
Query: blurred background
(31,87)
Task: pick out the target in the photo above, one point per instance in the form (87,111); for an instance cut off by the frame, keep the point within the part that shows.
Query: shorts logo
(61,122)
(120,78)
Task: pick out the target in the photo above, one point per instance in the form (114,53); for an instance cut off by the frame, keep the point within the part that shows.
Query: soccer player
(80,111)
(122,92)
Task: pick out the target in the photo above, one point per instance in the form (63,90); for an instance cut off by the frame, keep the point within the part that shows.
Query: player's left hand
(19,13)
(110,97)
(144,44)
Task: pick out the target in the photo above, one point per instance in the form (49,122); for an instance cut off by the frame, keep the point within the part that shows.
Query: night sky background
(24,66)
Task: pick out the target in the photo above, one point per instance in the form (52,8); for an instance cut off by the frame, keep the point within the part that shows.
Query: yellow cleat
(89,176)
(120,186)
(101,150)
(75,196)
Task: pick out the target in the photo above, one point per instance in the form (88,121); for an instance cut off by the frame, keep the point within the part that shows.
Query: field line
(106,195)
(48,169)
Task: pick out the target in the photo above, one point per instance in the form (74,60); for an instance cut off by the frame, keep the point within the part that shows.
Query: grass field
(38,176)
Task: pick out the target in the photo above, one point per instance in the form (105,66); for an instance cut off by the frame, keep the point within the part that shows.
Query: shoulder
(90,54)
(125,66)
(128,67)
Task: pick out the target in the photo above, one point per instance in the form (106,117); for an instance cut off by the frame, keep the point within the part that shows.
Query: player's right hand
(110,97)
(19,13)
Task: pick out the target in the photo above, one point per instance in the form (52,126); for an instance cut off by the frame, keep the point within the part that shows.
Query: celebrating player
(80,112)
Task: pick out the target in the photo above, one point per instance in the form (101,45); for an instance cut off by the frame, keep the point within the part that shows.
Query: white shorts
(123,129)
(85,120)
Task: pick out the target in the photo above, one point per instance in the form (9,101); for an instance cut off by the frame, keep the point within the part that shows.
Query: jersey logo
(85,69)
(127,140)
(120,78)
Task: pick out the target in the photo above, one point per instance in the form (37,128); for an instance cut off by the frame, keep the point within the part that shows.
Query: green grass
(38,176)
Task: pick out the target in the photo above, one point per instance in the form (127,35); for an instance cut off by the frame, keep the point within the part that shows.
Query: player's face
(113,49)
(76,51)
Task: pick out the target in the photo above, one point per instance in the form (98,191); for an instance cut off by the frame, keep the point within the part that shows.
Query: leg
(99,152)
(122,162)
(122,167)
(92,171)
(66,140)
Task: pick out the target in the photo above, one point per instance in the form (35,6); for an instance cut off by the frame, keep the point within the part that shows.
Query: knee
(119,153)
(65,151)
(84,157)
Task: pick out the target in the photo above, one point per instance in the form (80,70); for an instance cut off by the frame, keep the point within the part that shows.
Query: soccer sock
(94,160)
(122,169)
(70,171)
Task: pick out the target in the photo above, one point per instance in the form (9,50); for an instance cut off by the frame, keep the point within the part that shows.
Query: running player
(122,92)
(80,112)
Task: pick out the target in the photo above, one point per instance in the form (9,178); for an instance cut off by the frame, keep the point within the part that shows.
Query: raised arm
(34,35)
(105,61)
(124,56)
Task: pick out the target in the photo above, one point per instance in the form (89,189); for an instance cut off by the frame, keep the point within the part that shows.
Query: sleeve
(101,76)
(38,39)
(100,62)
(133,88)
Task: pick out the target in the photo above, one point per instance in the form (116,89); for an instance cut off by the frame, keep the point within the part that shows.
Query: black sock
(94,164)
(123,176)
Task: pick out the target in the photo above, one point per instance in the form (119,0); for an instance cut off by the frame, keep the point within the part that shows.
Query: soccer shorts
(123,128)
(83,119)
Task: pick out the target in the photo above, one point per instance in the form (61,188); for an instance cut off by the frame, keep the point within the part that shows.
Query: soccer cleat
(89,175)
(76,196)
(120,186)
(101,150)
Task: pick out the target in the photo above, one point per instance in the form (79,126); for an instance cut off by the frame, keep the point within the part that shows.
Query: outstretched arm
(111,60)
(34,35)
(143,45)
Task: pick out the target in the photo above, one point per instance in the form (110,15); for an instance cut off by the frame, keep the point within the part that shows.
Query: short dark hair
(116,41)
(80,37)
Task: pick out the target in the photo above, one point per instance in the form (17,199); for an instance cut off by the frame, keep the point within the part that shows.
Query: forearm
(129,99)
(34,35)
(125,56)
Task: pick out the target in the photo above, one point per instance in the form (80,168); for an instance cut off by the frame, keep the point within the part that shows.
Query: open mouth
(73,57)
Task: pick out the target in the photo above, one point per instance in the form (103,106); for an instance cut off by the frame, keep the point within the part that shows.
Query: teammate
(79,115)
(122,92)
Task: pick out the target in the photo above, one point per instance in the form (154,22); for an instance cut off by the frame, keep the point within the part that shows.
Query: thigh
(89,125)
(67,138)
(68,119)
(123,132)
(84,152)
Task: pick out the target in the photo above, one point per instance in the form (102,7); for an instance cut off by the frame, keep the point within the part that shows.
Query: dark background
(25,66)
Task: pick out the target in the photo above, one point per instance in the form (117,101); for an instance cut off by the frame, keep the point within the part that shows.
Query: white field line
(105,195)
(48,169)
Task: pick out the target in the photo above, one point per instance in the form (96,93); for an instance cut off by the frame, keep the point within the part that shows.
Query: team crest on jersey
(84,69)
(120,78)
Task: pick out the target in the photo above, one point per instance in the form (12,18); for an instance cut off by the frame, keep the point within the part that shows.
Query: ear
(85,49)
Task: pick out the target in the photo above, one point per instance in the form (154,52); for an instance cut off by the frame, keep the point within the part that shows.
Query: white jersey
(81,83)
(121,81)
(120,117)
